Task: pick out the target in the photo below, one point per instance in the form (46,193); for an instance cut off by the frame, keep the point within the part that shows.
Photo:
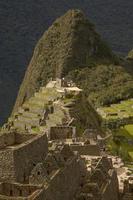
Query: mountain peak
(69,43)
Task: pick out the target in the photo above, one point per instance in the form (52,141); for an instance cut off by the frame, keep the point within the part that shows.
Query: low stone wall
(61,132)
(92,150)
(18,191)
(7,139)
(13,138)
(21,138)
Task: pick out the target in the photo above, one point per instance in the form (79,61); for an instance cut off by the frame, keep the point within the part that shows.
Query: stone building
(101,183)
(19,154)
(128,189)
(62,132)
(86,149)
(28,171)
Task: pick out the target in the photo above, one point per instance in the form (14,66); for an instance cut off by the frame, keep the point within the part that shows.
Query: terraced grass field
(117,111)
(122,142)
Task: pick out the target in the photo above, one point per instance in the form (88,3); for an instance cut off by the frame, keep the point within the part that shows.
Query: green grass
(126,131)
(131,154)
(122,110)
(120,145)
(68,100)
(129,129)
(124,150)
(36,129)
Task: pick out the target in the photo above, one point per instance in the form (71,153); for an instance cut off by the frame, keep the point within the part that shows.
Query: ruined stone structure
(34,113)
(62,132)
(86,149)
(28,171)
(86,145)
(128,189)
(15,191)
(44,109)
(101,182)
(52,163)
(18,157)
(66,167)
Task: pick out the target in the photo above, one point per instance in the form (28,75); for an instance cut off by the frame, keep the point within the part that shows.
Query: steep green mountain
(70,42)
(20,29)
(72,48)
(49,107)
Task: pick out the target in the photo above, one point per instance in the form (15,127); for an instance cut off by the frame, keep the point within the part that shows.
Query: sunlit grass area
(129,129)
(126,131)
(117,111)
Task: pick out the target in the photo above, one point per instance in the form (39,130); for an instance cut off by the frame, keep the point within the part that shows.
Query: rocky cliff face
(70,42)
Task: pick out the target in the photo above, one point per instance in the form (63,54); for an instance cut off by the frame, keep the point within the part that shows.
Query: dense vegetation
(104,84)
(70,42)
(122,142)
(85,115)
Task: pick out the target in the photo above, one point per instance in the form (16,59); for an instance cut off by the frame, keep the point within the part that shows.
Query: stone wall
(93,150)
(7,168)
(18,191)
(18,161)
(21,138)
(28,155)
(102,182)
(7,139)
(13,138)
(64,183)
(128,189)
(111,189)
(62,132)
(106,179)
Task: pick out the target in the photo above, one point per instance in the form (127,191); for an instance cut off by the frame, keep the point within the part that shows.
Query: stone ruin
(20,154)
(60,83)
(128,189)
(87,145)
(101,183)
(41,110)
(54,164)
(62,133)
(33,168)
(28,170)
